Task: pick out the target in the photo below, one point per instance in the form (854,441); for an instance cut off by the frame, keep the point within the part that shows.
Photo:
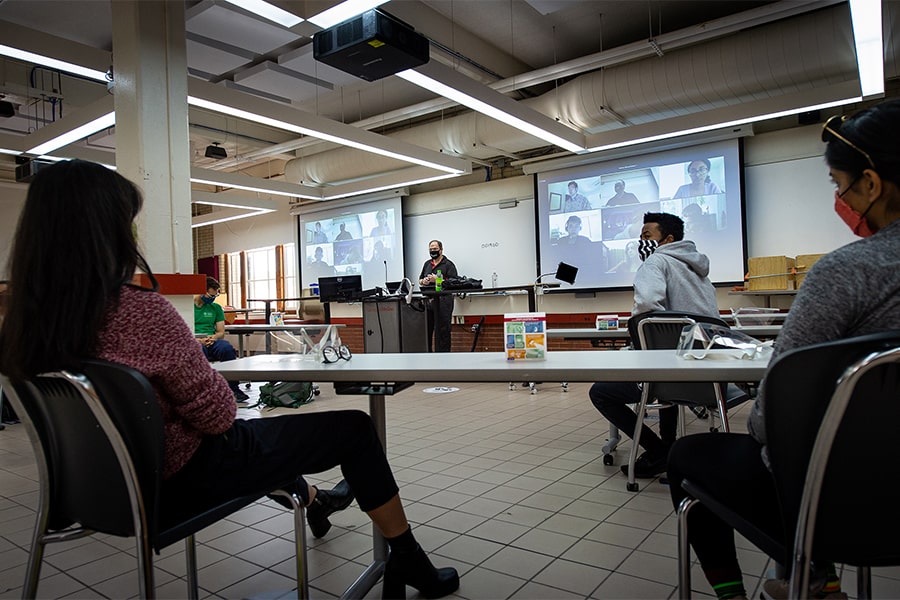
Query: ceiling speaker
(215,151)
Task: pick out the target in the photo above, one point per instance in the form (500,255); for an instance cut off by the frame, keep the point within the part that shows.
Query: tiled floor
(506,486)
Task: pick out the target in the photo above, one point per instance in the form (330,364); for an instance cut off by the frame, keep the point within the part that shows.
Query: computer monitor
(343,288)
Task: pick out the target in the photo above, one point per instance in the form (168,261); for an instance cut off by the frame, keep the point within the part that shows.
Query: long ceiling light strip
(268,11)
(343,11)
(455,86)
(254,184)
(720,124)
(274,114)
(53,63)
(865,16)
(79,124)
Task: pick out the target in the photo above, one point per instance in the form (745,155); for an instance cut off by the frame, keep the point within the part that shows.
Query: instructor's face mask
(854,220)
(646,248)
(434,253)
(207,299)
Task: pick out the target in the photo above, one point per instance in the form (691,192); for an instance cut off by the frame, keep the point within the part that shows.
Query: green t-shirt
(206,317)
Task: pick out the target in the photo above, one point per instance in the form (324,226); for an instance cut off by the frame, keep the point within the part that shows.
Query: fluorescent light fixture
(8,151)
(343,11)
(370,186)
(447,82)
(268,11)
(77,125)
(729,116)
(701,129)
(274,114)
(223,216)
(52,63)
(254,184)
(79,133)
(865,16)
(236,207)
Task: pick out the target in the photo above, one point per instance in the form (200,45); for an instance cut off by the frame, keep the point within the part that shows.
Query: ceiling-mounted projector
(371,46)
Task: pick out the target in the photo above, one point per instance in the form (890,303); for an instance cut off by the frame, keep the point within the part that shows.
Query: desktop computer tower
(392,325)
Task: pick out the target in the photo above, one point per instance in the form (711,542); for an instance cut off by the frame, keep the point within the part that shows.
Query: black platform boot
(415,570)
(324,504)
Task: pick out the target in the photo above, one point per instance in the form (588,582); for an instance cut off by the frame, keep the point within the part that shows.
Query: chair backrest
(74,420)
(661,330)
(855,524)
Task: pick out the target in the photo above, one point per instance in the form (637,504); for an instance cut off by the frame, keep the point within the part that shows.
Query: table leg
(365,582)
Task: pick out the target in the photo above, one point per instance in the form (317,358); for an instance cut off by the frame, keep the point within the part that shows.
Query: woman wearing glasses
(701,184)
(854,290)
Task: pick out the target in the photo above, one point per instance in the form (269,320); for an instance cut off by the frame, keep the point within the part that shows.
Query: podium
(392,325)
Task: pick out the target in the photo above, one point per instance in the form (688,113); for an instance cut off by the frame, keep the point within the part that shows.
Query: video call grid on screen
(591,216)
(362,239)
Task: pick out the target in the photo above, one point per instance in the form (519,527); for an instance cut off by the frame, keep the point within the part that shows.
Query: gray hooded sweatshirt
(675,278)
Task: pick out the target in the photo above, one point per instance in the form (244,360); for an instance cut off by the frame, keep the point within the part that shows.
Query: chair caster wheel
(631,487)
(608,460)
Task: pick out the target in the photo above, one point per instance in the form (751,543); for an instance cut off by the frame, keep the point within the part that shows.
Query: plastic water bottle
(438,281)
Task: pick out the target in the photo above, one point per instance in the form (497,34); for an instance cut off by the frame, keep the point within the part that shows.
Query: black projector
(371,46)
(26,171)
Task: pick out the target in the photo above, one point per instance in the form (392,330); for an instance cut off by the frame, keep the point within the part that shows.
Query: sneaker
(779,589)
(240,396)
(646,466)
(324,504)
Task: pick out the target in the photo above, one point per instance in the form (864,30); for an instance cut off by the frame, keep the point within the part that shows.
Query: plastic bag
(698,339)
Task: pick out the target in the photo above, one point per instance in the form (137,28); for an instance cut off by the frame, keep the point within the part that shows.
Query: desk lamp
(563,272)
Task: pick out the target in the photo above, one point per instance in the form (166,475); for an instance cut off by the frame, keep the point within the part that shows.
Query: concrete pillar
(152,144)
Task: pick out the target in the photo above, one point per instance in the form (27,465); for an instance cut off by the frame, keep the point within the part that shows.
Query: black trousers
(612,400)
(260,455)
(438,322)
(730,466)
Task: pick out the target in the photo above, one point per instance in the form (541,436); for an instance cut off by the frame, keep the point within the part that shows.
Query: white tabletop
(287,327)
(570,366)
(766,331)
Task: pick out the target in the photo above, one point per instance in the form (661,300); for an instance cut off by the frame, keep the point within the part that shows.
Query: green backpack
(286,394)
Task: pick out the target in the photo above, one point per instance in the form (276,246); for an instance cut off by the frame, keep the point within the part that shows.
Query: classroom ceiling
(600,67)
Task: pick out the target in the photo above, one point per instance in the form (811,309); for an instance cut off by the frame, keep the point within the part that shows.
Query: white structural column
(152,144)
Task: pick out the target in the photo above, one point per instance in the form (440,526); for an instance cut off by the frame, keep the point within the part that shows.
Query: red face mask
(854,220)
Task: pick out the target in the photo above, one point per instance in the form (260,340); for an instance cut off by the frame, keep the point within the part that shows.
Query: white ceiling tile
(220,23)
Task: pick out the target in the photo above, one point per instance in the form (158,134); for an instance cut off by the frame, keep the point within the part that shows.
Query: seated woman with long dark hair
(71,297)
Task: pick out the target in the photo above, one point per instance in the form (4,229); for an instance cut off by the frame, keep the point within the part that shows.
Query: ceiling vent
(371,46)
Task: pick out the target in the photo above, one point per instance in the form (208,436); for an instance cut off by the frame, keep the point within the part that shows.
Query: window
(264,273)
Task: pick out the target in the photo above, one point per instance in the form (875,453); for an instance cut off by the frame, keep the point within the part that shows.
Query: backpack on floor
(286,394)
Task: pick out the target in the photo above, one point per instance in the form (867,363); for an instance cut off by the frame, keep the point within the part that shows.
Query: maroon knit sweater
(145,332)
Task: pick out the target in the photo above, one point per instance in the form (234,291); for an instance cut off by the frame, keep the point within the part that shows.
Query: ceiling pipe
(608,58)
(811,52)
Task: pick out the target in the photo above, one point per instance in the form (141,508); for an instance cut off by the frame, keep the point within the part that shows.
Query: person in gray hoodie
(673,276)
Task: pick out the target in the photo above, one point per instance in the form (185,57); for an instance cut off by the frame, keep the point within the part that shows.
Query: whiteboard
(480,241)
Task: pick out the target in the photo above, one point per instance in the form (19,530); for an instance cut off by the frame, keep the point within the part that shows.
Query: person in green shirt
(209,327)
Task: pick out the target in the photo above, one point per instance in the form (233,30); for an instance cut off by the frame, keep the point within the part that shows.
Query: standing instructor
(442,304)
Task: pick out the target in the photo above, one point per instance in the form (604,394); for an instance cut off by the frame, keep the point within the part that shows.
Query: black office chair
(832,414)
(99,441)
(661,330)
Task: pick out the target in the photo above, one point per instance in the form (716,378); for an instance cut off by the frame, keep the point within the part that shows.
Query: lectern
(392,325)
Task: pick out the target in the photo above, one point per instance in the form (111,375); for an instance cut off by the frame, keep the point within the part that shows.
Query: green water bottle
(438,281)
